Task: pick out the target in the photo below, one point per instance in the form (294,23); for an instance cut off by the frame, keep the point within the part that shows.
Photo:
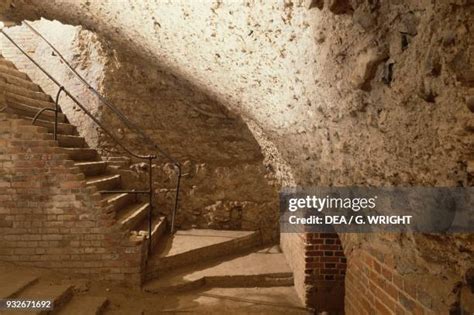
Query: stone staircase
(188,260)
(24,99)
(23,284)
(77,297)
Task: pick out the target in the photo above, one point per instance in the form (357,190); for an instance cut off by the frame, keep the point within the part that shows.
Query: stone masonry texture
(225,184)
(333,92)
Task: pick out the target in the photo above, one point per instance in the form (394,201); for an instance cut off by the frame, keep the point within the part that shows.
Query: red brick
(381,309)
(410,289)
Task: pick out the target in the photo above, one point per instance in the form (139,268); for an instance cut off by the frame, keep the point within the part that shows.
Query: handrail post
(150,195)
(176,200)
(56,112)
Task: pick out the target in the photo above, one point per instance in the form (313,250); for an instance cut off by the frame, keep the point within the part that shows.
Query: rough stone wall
(380,280)
(409,68)
(393,75)
(225,185)
(348,92)
(330,95)
(294,247)
(374,287)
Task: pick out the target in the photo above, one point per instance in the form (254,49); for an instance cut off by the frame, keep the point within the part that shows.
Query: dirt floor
(128,300)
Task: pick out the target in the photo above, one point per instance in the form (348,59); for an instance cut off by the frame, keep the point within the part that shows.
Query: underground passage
(237,156)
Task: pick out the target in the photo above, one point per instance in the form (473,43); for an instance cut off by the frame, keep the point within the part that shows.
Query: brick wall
(373,286)
(365,282)
(49,218)
(319,266)
(325,271)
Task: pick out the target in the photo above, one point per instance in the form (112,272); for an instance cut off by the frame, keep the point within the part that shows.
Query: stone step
(33,102)
(274,301)
(263,268)
(58,294)
(13,71)
(104,182)
(185,247)
(69,141)
(81,154)
(132,215)
(27,84)
(63,128)
(158,229)
(82,305)
(12,284)
(30,111)
(119,201)
(18,90)
(92,168)
(7,63)
(119,162)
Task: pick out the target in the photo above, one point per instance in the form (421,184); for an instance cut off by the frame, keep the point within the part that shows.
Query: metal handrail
(56,112)
(150,157)
(73,98)
(127,121)
(124,119)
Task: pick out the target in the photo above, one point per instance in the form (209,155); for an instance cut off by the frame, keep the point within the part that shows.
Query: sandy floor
(278,300)
(126,300)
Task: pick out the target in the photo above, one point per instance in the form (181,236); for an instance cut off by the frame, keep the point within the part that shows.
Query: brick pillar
(325,268)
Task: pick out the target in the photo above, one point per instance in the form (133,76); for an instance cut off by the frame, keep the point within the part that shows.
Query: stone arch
(225,184)
(364,122)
